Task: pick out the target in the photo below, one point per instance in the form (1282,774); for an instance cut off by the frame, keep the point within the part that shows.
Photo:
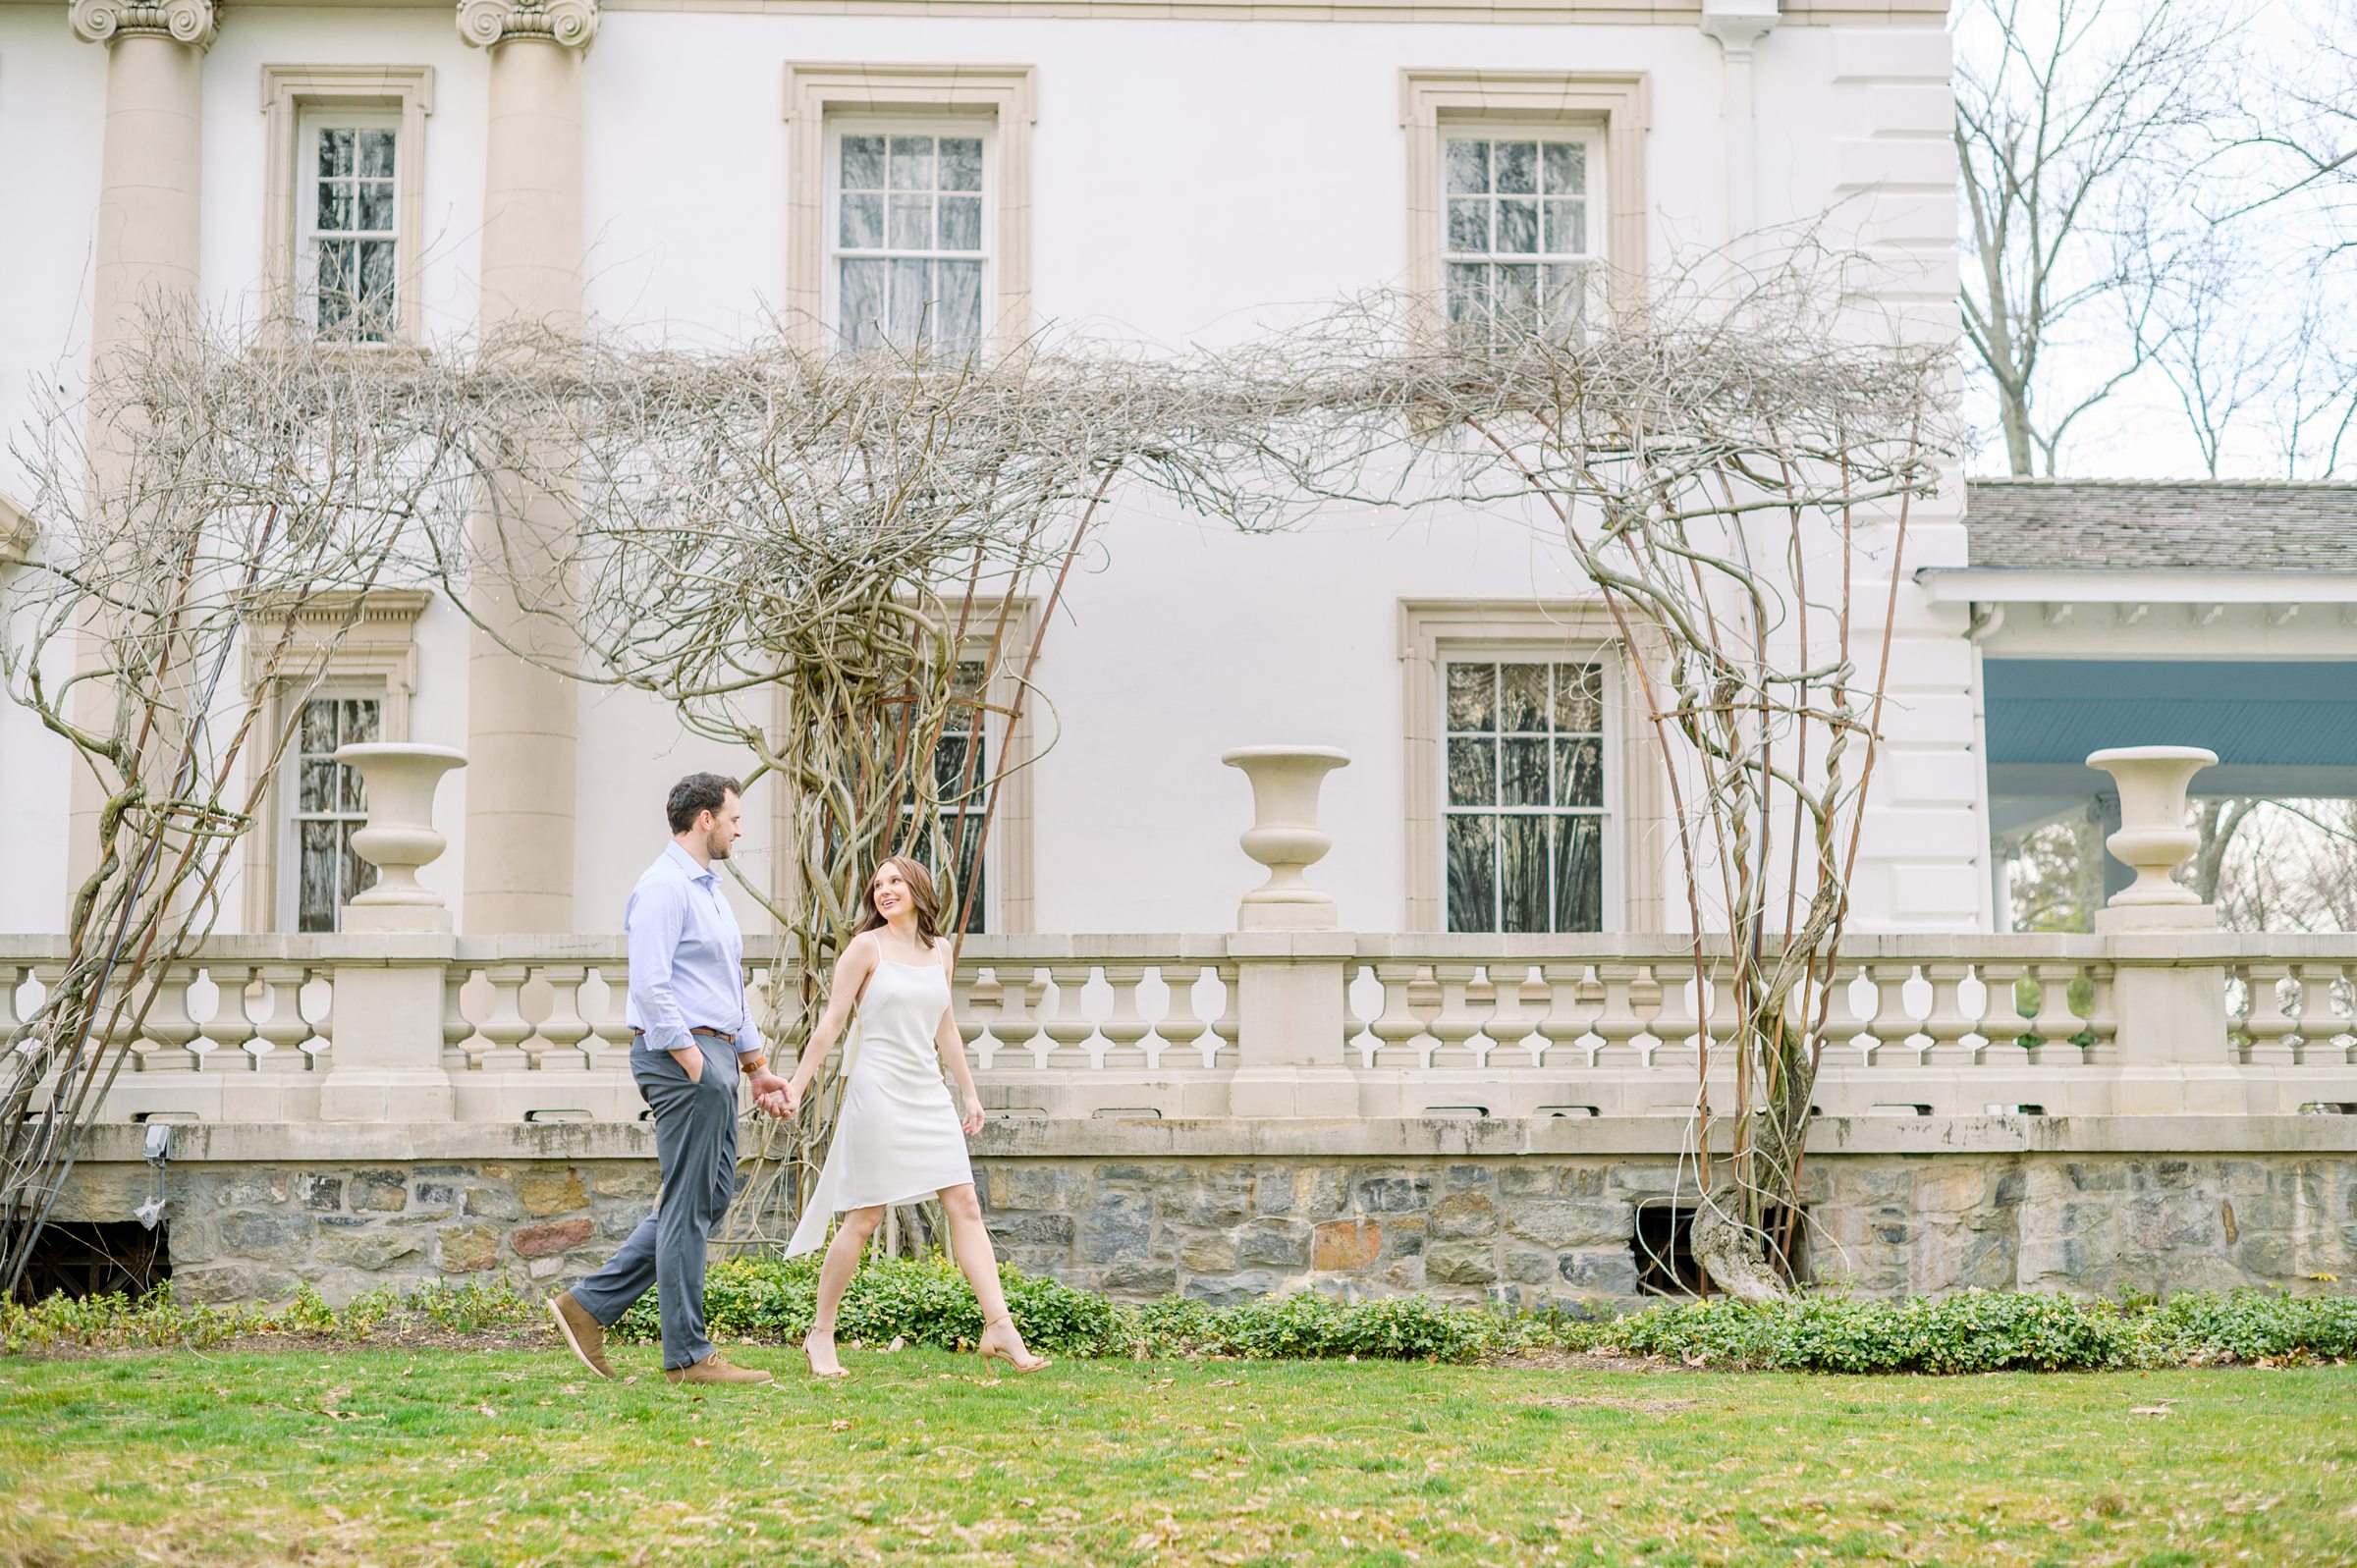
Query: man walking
(691,1037)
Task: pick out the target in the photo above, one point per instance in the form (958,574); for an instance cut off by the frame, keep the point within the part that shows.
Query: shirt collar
(688,866)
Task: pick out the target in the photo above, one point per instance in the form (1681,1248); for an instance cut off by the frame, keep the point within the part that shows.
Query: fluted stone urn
(400,836)
(1284,835)
(2152,840)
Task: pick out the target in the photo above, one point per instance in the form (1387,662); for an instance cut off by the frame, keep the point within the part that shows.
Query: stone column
(1740,26)
(147,245)
(521,718)
(1292,966)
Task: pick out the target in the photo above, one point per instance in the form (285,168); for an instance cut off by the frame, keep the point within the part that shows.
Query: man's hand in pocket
(692,1062)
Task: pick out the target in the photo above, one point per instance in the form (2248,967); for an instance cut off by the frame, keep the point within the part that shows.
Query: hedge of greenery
(926,1302)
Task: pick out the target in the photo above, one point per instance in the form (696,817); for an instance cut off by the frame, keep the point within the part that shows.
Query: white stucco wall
(1188,178)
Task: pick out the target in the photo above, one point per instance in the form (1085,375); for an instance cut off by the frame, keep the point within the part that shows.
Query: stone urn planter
(400,836)
(2152,840)
(1284,835)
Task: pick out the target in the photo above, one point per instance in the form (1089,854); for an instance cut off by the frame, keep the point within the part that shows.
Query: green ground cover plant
(390,1455)
(925,1302)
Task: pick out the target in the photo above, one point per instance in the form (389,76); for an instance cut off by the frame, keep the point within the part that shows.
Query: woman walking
(898,1138)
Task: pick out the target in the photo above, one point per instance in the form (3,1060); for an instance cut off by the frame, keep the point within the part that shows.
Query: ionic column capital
(190,22)
(571,23)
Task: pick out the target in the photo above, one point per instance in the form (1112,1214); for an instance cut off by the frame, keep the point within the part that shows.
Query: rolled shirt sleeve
(656,915)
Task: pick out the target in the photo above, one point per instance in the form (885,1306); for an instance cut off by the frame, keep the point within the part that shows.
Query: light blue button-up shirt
(687,957)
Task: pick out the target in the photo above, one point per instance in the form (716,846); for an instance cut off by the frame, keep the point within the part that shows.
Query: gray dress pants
(695,1151)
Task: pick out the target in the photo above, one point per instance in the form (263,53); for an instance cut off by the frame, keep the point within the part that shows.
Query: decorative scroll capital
(571,23)
(190,22)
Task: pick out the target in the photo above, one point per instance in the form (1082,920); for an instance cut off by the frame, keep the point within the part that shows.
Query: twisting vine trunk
(199,499)
(1733,472)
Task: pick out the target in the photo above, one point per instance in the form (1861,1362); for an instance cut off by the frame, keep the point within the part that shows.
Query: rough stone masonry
(1527,1227)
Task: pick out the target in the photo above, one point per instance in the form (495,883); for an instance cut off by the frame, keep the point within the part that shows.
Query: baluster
(1016,1027)
(972,994)
(223,1034)
(1572,1005)
(2001,1023)
(2103,1019)
(1230,1022)
(2056,1024)
(1461,1016)
(247,999)
(461,1048)
(1947,1023)
(1067,1022)
(2268,1024)
(12,1019)
(1843,1023)
(1892,1026)
(564,1029)
(1125,1026)
(168,1030)
(1521,1002)
(610,1037)
(504,1030)
(1618,1025)
(319,1013)
(2334,999)
(1180,1025)
(1396,1027)
(282,1031)
(1675,1024)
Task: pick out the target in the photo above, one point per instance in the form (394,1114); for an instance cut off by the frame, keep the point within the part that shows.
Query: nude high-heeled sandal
(990,1352)
(839,1372)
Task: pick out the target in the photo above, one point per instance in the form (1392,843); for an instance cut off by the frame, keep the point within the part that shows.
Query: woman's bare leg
(835,1277)
(969,1241)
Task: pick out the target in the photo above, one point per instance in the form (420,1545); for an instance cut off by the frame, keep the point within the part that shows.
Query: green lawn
(392,1456)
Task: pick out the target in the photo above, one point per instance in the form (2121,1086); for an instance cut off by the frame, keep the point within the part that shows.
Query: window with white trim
(326,807)
(1525,809)
(910,231)
(1520,228)
(348,216)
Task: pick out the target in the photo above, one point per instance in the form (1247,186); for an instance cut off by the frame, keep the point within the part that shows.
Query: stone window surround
(1618,103)
(288,91)
(1431,631)
(377,650)
(1006,852)
(1005,94)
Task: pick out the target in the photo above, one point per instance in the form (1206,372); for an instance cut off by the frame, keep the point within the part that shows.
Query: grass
(388,1455)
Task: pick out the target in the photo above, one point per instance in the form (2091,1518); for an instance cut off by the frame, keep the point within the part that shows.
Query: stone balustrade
(1170,1027)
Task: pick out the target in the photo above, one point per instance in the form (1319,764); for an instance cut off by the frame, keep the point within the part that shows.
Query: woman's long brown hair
(920,892)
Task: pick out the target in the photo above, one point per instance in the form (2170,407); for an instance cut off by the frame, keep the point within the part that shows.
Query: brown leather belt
(694,1029)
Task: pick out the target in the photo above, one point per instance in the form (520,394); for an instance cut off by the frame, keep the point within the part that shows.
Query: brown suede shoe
(584,1334)
(713,1368)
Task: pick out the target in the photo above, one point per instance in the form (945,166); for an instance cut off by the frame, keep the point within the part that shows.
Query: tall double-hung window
(1520,228)
(349,215)
(910,231)
(1525,805)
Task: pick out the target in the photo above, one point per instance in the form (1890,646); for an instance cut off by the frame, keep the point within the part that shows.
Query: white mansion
(1178,170)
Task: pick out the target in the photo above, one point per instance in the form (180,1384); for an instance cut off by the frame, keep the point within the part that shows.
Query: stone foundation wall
(1484,1220)
(254,1232)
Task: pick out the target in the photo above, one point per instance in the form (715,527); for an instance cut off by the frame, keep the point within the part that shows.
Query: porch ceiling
(2280,727)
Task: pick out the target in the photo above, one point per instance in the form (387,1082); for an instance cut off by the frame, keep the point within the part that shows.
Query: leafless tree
(1734,473)
(817,558)
(2077,121)
(195,496)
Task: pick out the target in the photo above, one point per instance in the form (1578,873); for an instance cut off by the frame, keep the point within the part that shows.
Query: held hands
(777,1096)
(972,1121)
(770,1092)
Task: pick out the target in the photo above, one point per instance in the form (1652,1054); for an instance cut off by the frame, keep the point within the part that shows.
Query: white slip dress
(897,1138)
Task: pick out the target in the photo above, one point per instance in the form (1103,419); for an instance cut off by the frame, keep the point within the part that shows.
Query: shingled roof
(2160,525)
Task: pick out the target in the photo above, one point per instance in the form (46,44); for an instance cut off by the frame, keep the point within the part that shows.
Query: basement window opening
(1664,1248)
(97,1258)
